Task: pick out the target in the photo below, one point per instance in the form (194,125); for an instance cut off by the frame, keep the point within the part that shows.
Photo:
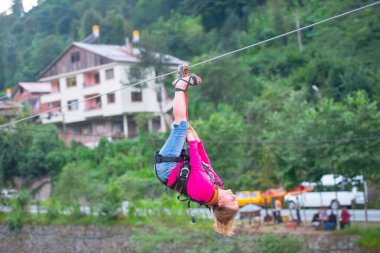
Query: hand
(191,129)
(189,136)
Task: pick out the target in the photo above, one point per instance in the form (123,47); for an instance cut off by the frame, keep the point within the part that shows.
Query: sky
(5,5)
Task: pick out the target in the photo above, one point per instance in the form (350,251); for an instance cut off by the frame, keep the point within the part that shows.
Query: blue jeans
(173,147)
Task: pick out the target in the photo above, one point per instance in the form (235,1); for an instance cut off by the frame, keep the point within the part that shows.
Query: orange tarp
(281,192)
(300,189)
(275,193)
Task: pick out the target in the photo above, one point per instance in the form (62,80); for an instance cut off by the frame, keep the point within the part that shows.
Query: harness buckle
(158,157)
(184,172)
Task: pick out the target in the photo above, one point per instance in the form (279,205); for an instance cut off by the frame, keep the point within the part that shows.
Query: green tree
(17,8)
(214,13)
(228,82)
(328,138)
(44,140)
(113,28)
(220,132)
(181,39)
(83,187)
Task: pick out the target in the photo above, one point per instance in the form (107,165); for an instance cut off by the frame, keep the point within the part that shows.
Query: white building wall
(123,102)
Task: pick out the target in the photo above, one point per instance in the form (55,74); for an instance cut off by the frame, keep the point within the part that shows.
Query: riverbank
(158,238)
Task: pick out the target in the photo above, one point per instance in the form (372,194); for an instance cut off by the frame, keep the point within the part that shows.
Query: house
(82,80)
(8,110)
(28,94)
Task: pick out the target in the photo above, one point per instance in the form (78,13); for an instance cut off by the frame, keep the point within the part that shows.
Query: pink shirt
(200,185)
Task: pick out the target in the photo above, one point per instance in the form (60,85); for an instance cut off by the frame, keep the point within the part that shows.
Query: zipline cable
(286,34)
(199,63)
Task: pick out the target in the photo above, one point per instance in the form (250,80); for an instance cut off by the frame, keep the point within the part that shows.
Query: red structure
(28,94)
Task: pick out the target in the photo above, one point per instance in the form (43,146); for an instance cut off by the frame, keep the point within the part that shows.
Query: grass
(368,236)
(156,217)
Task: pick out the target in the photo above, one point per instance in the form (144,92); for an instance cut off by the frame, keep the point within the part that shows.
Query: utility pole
(64,127)
(365,191)
(299,36)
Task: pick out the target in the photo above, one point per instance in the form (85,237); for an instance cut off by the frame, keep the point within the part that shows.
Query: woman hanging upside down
(202,184)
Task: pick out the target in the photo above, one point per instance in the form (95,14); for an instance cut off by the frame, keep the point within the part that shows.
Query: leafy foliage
(262,122)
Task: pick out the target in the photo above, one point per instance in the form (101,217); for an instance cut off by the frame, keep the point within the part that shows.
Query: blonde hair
(223,220)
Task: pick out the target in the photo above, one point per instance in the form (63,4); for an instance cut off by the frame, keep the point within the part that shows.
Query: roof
(37,87)
(120,53)
(7,105)
(250,208)
(112,52)
(117,53)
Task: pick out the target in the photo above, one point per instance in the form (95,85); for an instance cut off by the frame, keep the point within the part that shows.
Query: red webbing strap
(187,104)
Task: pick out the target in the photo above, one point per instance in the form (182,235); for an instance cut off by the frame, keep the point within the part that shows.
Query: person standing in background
(278,209)
(345,218)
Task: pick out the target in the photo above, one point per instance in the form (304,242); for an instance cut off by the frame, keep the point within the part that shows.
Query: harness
(180,185)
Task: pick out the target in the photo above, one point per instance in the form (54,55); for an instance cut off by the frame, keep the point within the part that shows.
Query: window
(97,78)
(71,82)
(136,96)
(86,130)
(100,128)
(72,105)
(253,195)
(76,130)
(55,86)
(109,74)
(111,98)
(75,57)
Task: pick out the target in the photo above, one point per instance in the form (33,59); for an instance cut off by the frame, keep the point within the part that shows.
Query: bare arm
(192,131)
(201,150)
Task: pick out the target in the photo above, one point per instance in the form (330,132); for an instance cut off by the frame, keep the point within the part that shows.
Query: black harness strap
(192,78)
(189,200)
(163,159)
(205,167)
(178,89)
(180,185)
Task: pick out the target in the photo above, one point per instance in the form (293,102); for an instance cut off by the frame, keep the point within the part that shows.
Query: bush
(369,237)
(110,207)
(52,207)
(19,211)
(370,240)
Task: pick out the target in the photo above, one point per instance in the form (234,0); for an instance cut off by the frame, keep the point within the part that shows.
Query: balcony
(93,105)
(51,112)
(48,98)
(91,79)
(52,117)
(55,86)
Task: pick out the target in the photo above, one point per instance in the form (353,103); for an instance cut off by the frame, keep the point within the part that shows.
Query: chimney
(96,32)
(135,40)
(8,91)
(128,46)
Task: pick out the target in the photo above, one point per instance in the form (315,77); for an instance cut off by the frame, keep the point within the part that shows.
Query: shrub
(19,211)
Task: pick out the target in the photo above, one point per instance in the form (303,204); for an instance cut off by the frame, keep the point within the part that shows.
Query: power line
(202,62)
